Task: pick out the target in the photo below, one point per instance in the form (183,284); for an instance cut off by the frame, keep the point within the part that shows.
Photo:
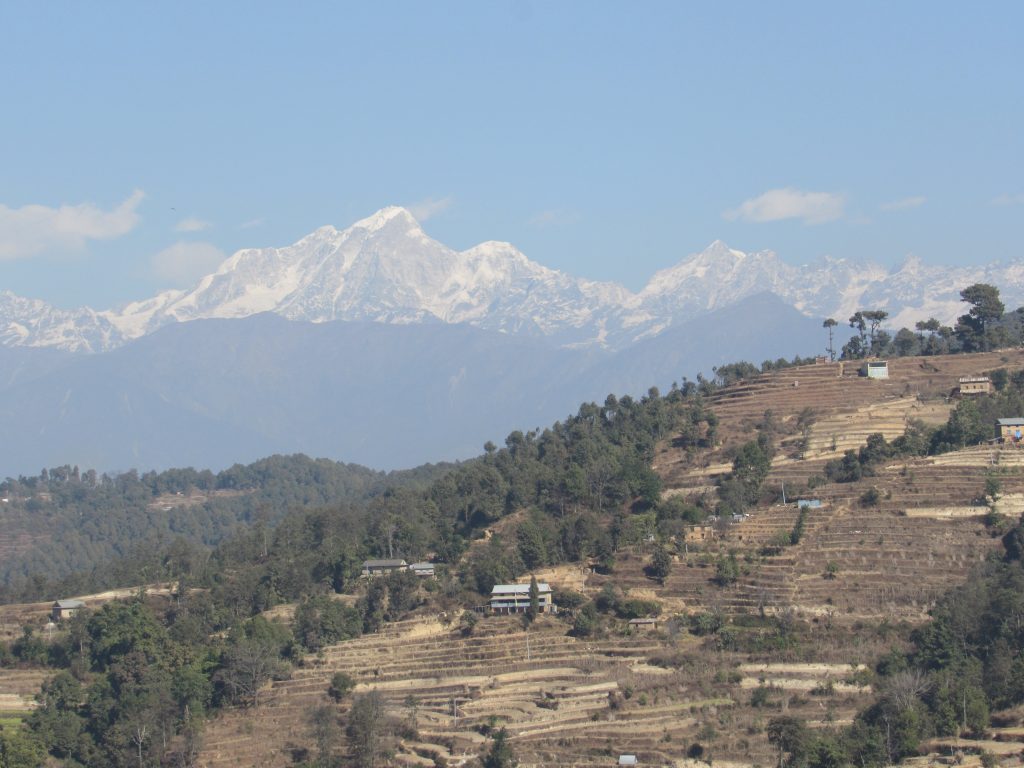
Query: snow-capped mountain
(34,323)
(720,276)
(385,268)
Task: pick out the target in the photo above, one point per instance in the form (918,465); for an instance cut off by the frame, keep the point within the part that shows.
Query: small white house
(426,570)
(878,369)
(627,760)
(515,598)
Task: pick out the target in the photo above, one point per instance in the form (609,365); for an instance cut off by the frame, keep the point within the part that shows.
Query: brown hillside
(890,559)
(564,701)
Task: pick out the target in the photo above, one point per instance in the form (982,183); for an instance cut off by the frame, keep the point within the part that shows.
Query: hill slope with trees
(703,614)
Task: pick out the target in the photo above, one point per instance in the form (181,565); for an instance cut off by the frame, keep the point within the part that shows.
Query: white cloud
(426,209)
(904,204)
(251,223)
(1008,200)
(183,263)
(34,229)
(789,203)
(192,224)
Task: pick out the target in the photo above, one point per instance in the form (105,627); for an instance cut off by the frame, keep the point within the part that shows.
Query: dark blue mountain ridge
(210,393)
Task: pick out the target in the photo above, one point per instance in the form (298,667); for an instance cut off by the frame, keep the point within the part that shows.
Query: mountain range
(386,269)
(377,344)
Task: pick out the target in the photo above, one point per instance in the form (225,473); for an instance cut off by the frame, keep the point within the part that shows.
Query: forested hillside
(159,670)
(116,530)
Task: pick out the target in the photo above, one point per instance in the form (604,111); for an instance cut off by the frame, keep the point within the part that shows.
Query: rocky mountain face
(386,269)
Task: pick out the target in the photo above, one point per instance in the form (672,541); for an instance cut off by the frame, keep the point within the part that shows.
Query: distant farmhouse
(515,598)
(1010,430)
(423,569)
(65,609)
(975,385)
(383,567)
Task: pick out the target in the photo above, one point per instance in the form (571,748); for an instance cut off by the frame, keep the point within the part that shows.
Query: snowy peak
(715,277)
(34,323)
(385,268)
(392,216)
(716,262)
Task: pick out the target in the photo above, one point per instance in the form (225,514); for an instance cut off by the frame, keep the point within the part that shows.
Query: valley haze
(379,345)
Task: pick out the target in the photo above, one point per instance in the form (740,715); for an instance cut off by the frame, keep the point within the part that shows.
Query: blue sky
(141,142)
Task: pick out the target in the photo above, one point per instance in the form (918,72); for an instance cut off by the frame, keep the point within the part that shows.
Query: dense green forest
(92,531)
(137,527)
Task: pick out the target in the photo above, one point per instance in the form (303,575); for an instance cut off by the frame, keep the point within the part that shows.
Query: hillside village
(782,610)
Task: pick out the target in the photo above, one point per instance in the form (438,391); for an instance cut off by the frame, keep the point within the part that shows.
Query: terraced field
(886,558)
(848,408)
(563,701)
(550,691)
(18,688)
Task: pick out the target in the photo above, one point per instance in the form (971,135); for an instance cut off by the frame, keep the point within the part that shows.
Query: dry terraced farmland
(563,701)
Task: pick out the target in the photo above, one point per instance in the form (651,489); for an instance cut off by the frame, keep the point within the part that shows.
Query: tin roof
(384,564)
(1011,422)
(517,589)
(69,604)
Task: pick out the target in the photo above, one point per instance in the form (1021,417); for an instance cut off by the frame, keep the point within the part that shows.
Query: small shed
(627,760)
(808,503)
(515,598)
(877,369)
(975,385)
(643,625)
(426,570)
(65,609)
(382,567)
(1010,430)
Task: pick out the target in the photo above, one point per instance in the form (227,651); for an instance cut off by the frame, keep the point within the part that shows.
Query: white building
(515,598)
